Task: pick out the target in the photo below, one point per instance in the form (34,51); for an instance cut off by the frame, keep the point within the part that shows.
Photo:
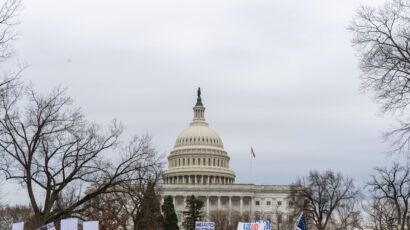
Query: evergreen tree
(193,213)
(170,217)
(150,217)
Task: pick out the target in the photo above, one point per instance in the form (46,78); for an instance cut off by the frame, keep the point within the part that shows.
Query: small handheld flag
(300,223)
(252,153)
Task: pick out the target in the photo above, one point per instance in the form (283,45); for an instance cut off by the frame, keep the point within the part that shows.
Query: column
(240,205)
(251,205)
(230,204)
(219,202)
(207,206)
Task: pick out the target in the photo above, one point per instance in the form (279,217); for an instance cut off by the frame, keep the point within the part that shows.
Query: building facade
(199,165)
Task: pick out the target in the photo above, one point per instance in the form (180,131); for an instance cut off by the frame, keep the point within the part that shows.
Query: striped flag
(252,153)
(301,223)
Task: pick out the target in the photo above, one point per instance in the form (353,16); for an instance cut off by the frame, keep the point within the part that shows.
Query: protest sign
(69,224)
(251,226)
(202,225)
(90,225)
(18,226)
(49,226)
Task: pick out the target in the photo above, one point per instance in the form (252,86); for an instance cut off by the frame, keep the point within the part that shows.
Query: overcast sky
(278,75)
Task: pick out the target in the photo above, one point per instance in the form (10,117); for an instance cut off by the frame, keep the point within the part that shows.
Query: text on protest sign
(49,226)
(202,225)
(251,226)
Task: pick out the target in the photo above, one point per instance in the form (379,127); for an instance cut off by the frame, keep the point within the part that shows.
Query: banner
(90,225)
(18,226)
(252,226)
(266,223)
(49,226)
(202,225)
(69,224)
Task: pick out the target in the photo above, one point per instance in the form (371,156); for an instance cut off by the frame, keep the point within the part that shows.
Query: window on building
(214,162)
(257,202)
(183,162)
(279,218)
(193,161)
(257,216)
(268,203)
(279,203)
(209,161)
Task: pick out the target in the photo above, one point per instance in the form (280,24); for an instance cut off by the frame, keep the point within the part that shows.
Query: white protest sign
(18,226)
(90,225)
(251,226)
(266,223)
(202,225)
(69,224)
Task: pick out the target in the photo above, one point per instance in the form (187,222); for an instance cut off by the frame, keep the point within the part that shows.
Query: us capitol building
(199,165)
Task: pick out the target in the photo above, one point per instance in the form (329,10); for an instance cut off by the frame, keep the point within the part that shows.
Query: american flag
(252,152)
(301,223)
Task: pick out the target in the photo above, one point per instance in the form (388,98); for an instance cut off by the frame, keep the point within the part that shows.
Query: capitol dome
(198,156)
(199,135)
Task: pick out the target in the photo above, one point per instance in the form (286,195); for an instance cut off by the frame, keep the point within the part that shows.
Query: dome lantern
(199,110)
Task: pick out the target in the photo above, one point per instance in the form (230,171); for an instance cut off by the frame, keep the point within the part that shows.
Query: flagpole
(251,156)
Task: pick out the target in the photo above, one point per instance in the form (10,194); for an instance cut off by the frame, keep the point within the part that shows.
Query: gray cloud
(278,75)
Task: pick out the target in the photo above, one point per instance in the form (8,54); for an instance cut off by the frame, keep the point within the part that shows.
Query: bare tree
(323,195)
(381,214)
(225,220)
(382,37)
(47,145)
(108,211)
(390,189)
(14,214)
(8,12)
(122,208)
(348,216)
